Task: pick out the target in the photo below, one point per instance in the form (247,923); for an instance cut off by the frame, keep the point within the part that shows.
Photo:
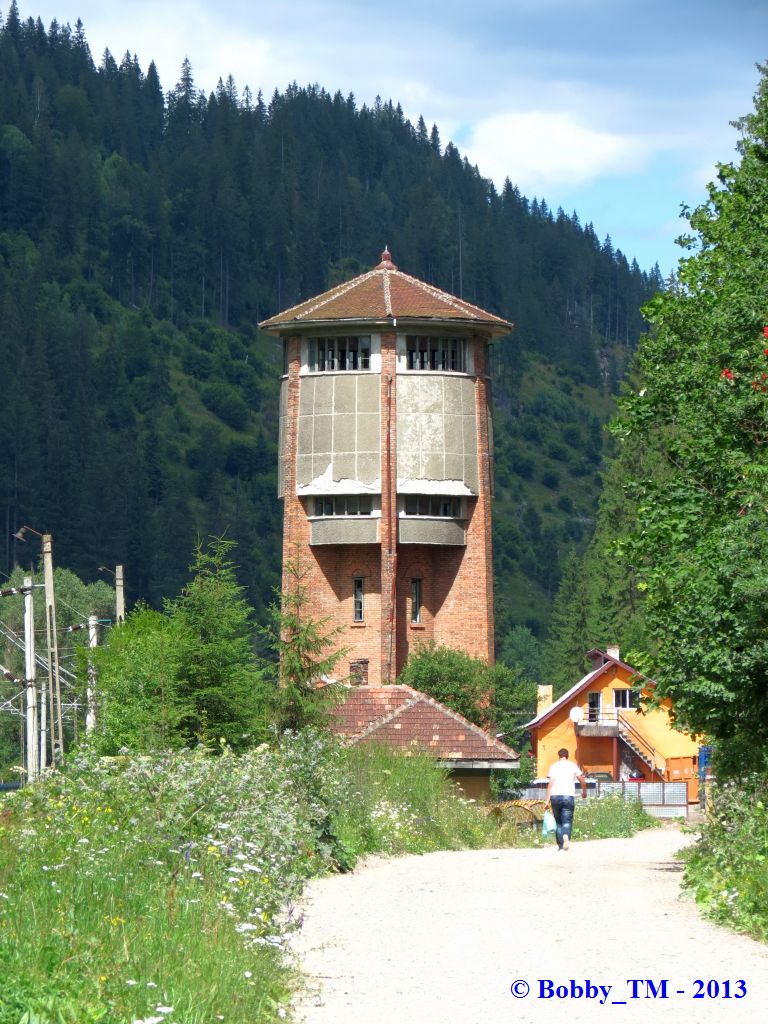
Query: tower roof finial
(386,261)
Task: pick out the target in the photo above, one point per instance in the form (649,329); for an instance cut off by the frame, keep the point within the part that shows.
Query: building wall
(332,426)
(436,433)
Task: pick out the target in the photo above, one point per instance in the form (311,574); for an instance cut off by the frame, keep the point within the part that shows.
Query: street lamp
(54,681)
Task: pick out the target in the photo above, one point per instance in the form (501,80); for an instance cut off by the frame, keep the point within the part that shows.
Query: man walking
(561,781)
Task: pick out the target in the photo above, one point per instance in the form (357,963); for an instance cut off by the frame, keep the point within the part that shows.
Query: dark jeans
(562,808)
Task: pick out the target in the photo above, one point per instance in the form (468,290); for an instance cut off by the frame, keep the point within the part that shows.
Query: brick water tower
(385,466)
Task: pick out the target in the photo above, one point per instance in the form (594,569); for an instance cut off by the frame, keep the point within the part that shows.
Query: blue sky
(615,108)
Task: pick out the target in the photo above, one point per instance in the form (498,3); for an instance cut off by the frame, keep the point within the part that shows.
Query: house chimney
(543,697)
(613,652)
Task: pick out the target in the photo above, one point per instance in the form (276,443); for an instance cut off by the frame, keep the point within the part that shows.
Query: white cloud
(540,149)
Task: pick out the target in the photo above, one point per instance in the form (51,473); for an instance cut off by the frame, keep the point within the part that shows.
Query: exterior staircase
(640,746)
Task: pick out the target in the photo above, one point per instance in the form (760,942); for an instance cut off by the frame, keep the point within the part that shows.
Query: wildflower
(131,981)
(163,1009)
(247,974)
(726,374)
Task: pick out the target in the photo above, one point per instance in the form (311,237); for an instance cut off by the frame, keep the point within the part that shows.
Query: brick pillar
(388,506)
(484,456)
(293,513)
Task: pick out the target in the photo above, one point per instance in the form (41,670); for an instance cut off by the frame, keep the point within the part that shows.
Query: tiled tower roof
(385,294)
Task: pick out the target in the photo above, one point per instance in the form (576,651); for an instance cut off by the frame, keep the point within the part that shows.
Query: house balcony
(598,723)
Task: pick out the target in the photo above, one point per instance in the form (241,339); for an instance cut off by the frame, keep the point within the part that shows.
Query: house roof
(380,295)
(403,717)
(582,684)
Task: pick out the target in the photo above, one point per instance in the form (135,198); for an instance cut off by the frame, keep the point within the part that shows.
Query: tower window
(343,505)
(427,353)
(358,599)
(416,600)
(436,506)
(340,353)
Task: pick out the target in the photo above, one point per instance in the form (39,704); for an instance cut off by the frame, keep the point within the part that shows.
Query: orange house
(603,724)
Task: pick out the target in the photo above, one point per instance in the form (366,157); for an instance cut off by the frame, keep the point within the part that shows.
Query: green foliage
(522,650)
(609,818)
(186,675)
(454,678)
(307,652)
(220,685)
(131,883)
(478,691)
(727,868)
(157,880)
(697,427)
(140,705)
(405,803)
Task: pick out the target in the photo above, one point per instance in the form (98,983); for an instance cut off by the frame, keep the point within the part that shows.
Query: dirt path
(442,938)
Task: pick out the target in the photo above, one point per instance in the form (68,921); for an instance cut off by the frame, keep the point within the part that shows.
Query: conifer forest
(144,232)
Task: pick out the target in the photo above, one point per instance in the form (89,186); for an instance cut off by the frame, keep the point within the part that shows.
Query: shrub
(727,869)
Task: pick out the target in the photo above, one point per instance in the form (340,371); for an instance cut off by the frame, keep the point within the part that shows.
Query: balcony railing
(618,722)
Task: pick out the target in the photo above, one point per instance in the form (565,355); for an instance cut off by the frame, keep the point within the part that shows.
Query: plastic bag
(548,824)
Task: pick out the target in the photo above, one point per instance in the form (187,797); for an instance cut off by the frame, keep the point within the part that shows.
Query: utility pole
(90,692)
(119,595)
(54,681)
(33,733)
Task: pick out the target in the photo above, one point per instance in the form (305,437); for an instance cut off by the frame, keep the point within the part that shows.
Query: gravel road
(442,938)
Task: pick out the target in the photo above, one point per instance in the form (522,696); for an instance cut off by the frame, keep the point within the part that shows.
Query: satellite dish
(576,714)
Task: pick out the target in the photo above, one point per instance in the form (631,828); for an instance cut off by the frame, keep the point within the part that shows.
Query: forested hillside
(143,234)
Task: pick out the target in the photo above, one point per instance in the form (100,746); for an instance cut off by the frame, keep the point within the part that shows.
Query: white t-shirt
(563,774)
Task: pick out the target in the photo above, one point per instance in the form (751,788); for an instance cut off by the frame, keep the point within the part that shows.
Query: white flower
(131,981)
(163,1009)
(247,974)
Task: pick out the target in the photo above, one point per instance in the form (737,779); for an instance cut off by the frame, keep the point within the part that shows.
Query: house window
(430,353)
(340,353)
(343,505)
(416,601)
(358,599)
(624,698)
(435,506)
(593,705)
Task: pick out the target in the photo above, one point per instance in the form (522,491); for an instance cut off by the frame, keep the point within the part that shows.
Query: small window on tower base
(358,599)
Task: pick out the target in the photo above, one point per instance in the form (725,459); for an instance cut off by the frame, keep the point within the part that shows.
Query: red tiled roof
(403,717)
(384,293)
